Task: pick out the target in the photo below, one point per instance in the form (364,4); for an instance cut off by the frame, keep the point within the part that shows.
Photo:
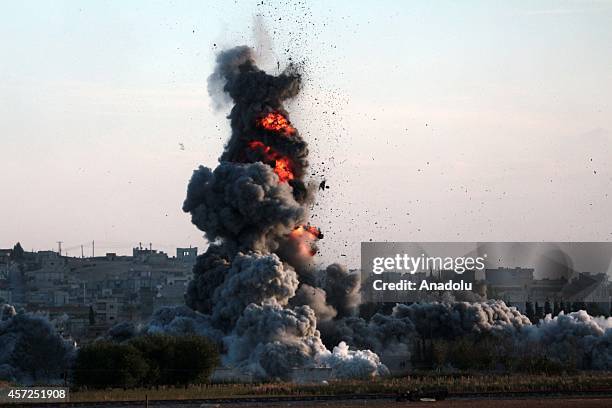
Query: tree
(146,360)
(157,350)
(177,360)
(529,312)
(104,364)
(17,253)
(539,312)
(547,308)
(557,308)
(92,316)
(195,358)
(439,352)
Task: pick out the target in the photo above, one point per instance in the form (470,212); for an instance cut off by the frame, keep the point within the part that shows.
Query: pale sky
(435,121)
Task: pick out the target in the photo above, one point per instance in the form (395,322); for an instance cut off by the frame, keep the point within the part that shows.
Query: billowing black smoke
(255,286)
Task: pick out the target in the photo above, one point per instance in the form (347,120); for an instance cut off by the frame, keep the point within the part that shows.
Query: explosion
(253,287)
(275,122)
(305,236)
(281,164)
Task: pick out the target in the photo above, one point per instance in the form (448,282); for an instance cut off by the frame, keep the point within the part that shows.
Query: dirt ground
(504,403)
(565,402)
(478,403)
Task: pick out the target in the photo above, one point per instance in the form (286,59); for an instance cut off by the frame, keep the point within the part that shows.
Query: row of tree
(146,361)
(488,351)
(536,311)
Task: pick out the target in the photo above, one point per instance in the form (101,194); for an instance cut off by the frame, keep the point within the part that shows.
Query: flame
(282,164)
(313,231)
(306,235)
(275,122)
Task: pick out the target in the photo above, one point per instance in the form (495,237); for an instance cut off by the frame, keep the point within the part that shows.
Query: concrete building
(5,256)
(119,288)
(107,310)
(187,255)
(590,290)
(511,277)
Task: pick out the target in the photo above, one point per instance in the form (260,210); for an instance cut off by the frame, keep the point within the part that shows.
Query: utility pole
(82,252)
(59,247)
(93,249)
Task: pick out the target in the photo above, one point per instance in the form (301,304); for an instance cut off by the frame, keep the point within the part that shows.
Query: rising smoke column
(255,286)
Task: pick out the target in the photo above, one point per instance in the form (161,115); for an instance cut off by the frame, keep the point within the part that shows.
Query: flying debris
(256,290)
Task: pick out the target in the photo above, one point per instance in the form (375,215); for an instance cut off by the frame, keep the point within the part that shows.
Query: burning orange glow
(306,235)
(276,122)
(282,164)
(313,231)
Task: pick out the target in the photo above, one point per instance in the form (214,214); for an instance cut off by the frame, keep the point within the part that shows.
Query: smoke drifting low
(31,350)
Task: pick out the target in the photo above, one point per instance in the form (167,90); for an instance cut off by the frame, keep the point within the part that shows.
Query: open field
(484,403)
(455,384)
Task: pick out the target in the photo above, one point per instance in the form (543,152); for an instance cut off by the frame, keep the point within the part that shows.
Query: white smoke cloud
(347,363)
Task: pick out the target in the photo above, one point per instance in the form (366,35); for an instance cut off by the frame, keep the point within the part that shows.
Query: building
(107,310)
(118,288)
(511,277)
(187,255)
(5,256)
(590,291)
(172,293)
(450,275)
(543,290)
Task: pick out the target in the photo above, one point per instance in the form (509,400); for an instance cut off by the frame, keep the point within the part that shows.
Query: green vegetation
(177,360)
(490,352)
(105,364)
(153,360)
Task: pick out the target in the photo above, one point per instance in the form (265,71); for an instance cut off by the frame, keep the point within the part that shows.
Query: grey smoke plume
(242,204)
(255,289)
(342,289)
(316,298)
(253,279)
(451,320)
(31,350)
(575,338)
(227,61)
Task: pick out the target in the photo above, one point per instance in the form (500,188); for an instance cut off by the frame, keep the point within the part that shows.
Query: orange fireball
(306,235)
(282,164)
(275,122)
